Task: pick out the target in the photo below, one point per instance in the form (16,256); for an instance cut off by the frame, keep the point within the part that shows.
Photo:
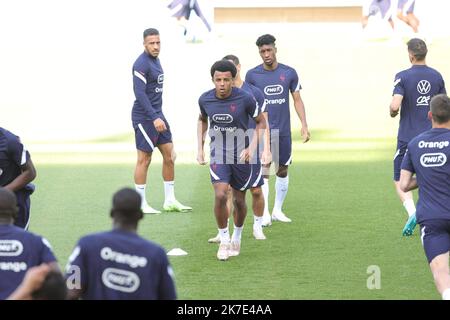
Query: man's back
(417,85)
(276,85)
(429,157)
(19,251)
(120,265)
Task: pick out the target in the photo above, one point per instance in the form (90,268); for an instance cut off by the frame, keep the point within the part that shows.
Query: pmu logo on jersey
(433,159)
(10,248)
(273,89)
(161,78)
(120,280)
(222,118)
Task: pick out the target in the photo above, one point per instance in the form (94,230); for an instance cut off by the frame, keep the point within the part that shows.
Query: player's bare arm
(394,108)
(408,182)
(300,109)
(248,153)
(202,127)
(28,174)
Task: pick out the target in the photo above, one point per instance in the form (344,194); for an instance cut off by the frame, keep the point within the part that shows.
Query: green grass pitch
(346,217)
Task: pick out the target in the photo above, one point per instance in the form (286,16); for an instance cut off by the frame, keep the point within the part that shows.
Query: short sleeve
(398,85)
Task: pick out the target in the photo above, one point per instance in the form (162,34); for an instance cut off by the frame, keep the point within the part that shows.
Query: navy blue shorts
(281,148)
(147,138)
(435,235)
(376,7)
(407,6)
(398,158)
(239,176)
(23,202)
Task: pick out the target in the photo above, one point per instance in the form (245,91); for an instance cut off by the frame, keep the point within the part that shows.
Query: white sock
(169,191)
(446,294)
(140,188)
(237,234)
(281,189)
(410,206)
(224,235)
(265,191)
(257,222)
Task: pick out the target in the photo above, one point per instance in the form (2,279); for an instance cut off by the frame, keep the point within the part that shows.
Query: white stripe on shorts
(249,178)
(289,161)
(257,179)
(396,153)
(147,138)
(422,235)
(213,174)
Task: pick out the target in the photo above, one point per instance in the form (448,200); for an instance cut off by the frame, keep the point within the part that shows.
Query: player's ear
(430,115)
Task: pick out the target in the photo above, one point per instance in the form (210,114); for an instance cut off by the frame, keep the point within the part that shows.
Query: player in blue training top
(19,249)
(264,157)
(119,264)
(373,7)
(405,12)
(276,80)
(428,157)
(150,126)
(413,90)
(16,173)
(232,152)
(186,7)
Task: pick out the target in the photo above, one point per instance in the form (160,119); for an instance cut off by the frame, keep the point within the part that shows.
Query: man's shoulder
(207,95)
(255,70)
(285,67)
(142,61)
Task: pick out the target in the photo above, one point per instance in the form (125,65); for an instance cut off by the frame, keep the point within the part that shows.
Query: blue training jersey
(13,155)
(121,265)
(417,85)
(276,85)
(259,97)
(428,156)
(148,79)
(228,123)
(19,251)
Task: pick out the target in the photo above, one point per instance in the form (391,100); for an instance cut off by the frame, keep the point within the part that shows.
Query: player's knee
(144,160)
(169,161)
(282,172)
(256,193)
(239,204)
(221,197)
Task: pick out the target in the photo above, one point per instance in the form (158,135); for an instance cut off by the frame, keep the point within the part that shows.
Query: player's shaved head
(440,108)
(8,204)
(126,205)
(417,48)
(266,39)
(150,32)
(223,66)
(232,57)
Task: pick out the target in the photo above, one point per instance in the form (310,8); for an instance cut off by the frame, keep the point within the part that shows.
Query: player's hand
(266,157)
(32,281)
(305,134)
(394,113)
(246,155)
(201,158)
(160,126)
